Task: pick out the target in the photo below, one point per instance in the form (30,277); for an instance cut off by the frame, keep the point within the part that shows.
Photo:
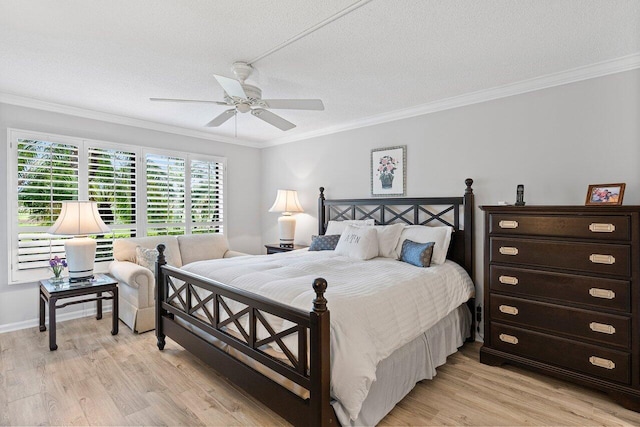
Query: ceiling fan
(245,98)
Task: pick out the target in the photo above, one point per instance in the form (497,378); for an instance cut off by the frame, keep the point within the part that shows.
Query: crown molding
(600,69)
(38,104)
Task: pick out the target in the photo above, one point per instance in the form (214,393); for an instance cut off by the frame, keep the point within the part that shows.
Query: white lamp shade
(287,201)
(79,218)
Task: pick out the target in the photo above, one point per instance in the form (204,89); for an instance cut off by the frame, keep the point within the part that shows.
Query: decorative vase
(386,179)
(56,280)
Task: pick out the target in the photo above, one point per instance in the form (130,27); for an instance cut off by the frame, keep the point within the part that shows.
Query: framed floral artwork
(389,171)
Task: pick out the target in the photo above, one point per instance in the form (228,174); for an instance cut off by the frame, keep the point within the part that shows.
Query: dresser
(561,294)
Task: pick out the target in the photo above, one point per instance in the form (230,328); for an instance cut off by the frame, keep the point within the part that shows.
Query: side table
(276,248)
(51,292)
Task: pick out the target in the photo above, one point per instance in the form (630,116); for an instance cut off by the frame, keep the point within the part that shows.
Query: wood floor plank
(62,403)
(28,411)
(98,379)
(97,405)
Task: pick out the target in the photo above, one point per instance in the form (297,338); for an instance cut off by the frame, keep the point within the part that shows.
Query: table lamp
(78,219)
(287,203)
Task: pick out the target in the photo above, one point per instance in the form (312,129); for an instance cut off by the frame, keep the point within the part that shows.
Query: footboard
(201,314)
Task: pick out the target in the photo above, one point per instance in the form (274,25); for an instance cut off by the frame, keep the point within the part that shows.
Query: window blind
(47,174)
(165,194)
(207,188)
(112,184)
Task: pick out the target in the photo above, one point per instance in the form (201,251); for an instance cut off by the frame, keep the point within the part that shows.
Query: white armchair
(137,283)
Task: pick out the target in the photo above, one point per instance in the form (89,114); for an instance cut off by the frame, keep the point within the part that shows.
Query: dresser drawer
(588,227)
(598,327)
(599,362)
(589,257)
(597,292)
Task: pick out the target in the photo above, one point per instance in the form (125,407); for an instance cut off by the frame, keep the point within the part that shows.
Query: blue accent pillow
(324,243)
(418,254)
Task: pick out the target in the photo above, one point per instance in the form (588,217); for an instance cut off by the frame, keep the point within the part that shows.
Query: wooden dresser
(561,294)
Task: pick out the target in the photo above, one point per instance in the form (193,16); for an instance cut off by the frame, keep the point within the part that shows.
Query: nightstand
(51,292)
(275,248)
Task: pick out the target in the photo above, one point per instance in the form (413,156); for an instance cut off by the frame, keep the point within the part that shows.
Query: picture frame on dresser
(605,194)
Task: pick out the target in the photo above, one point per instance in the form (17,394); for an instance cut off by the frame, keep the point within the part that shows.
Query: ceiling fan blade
(187,100)
(231,86)
(272,119)
(226,115)
(295,104)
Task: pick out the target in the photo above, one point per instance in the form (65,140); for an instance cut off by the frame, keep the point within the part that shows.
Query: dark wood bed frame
(177,303)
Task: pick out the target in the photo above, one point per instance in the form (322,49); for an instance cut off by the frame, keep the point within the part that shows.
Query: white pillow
(388,236)
(147,258)
(337,227)
(358,242)
(441,236)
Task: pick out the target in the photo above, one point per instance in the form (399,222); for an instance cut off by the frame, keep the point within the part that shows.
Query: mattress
(377,306)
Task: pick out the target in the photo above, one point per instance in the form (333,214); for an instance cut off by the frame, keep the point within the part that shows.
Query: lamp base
(286,229)
(81,279)
(81,252)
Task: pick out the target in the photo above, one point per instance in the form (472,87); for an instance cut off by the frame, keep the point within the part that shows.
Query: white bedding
(376,306)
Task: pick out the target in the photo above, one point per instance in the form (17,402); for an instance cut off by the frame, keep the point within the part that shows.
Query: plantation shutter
(139,192)
(207,196)
(112,184)
(165,194)
(47,175)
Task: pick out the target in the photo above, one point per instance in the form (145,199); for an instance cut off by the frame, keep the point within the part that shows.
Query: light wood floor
(98,379)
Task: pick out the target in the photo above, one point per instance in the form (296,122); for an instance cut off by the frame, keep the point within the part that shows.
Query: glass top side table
(51,291)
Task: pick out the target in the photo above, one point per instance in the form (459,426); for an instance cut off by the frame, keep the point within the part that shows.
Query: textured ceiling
(388,55)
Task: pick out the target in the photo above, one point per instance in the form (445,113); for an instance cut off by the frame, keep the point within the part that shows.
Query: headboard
(411,210)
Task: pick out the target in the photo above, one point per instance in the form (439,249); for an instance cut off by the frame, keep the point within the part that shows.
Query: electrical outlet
(479,314)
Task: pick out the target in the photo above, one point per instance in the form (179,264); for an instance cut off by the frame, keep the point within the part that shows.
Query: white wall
(19,303)
(555,141)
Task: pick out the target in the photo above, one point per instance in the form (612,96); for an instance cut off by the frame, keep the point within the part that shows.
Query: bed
(270,344)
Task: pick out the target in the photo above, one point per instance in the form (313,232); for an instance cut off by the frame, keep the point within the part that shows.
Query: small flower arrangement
(57,266)
(387,165)
(386,171)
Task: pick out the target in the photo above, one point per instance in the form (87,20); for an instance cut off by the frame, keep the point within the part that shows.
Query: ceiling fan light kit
(245,98)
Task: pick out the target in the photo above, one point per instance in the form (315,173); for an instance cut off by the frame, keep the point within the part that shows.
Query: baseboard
(60,317)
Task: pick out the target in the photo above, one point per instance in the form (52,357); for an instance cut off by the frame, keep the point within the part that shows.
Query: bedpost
(320,353)
(468,249)
(468,226)
(321,212)
(160,295)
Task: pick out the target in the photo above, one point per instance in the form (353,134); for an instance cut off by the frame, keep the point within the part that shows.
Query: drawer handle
(508,224)
(602,328)
(602,259)
(508,339)
(597,227)
(509,250)
(602,363)
(508,280)
(602,293)
(507,309)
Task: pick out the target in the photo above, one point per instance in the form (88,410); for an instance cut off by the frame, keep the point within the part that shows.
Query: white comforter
(376,306)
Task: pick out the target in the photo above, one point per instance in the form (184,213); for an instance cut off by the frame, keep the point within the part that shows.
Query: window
(47,175)
(139,192)
(165,194)
(206,196)
(112,184)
